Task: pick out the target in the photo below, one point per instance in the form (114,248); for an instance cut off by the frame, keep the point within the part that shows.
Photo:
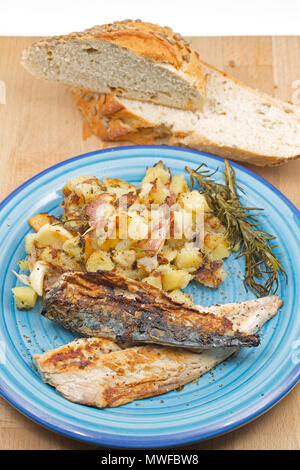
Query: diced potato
(25,297)
(37,221)
(178,184)
(107,244)
(158,193)
(149,263)
(211,274)
(118,187)
(167,255)
(213,223)
(59,259)
(73,204)
(138,228)
(75,248)
(216,246)
(179,296)
(155,279)
(117,183)
(23,263)
(125,258)
(29,242)
(174,278)
(189,258)
(143,193)
(88,190)
(89,246)
(71,184)
(119,192)
(157,171)
(99,261)
(193,201)
(52,235)
(182,224)
(37,276)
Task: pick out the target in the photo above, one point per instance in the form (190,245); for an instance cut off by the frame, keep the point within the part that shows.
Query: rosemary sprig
(262,267)
(66,221)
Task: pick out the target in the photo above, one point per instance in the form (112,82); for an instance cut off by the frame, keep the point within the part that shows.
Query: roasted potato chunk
(25,297)
(99,261)
(158,171)
(178,184)
(189,258)
(211,274)
(37,221)
(30,239)
(74,182)
(155,279)
(124,258)
(75,248)
(174,278)
(193,201)
(216,246)
(89,190)
(52,235)
(59,259)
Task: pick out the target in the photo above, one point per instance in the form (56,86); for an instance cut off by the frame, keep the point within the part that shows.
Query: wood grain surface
(40,127)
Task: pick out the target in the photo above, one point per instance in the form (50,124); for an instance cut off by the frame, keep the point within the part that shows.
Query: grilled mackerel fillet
(108,305)
(97,372)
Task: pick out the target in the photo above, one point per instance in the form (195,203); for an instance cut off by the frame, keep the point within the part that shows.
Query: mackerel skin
(107,305)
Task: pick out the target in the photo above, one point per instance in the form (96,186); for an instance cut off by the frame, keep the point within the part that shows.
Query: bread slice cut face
(236,122)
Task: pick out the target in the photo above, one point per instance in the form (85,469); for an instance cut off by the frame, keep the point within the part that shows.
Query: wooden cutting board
(40,127)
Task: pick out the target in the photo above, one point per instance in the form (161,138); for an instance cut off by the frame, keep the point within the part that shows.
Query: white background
(189,17)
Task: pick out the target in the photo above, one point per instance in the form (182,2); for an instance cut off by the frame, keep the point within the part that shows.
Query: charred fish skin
(97,372)
(108,305)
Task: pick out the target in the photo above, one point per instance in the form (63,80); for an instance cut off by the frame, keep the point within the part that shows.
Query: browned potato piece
(25,297)
(211,274)
(52,235)
(37,221)
(189,258)
(74,182)
(99,261)
(216,246)
(173,278)
(59,259)
(157,171)
(155,279)
(124,258)
(178,184)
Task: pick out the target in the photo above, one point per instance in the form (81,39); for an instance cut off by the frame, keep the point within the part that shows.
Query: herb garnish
(262,267)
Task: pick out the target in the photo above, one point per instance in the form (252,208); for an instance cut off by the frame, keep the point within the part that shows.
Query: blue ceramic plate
(237,391)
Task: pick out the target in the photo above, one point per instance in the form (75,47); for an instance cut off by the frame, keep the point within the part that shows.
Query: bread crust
(159,44)
(109,120)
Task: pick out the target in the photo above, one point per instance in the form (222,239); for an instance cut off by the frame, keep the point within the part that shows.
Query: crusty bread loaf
(235,122)
(132,59)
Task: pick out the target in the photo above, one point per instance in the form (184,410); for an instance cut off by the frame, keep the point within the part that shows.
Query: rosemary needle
(262,267)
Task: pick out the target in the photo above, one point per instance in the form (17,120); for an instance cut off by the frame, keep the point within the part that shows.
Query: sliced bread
(235,122)
(132,59)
